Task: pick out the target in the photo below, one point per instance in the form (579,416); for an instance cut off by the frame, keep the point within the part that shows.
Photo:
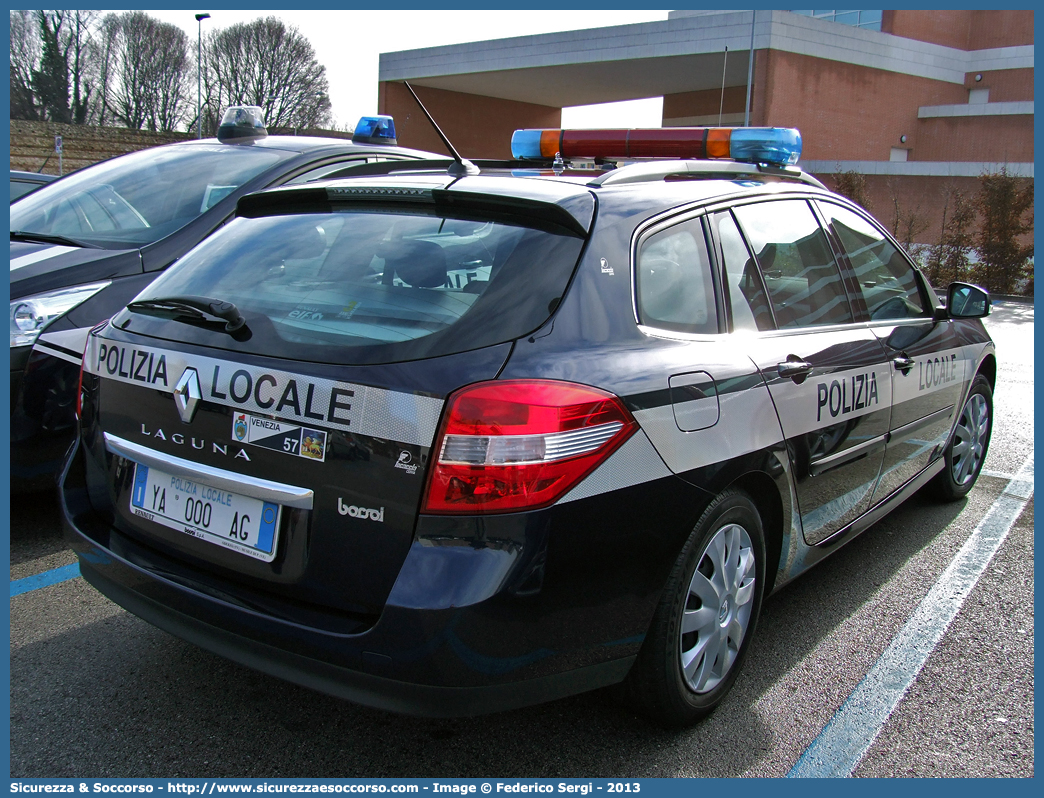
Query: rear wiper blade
(195,307)
(45,238)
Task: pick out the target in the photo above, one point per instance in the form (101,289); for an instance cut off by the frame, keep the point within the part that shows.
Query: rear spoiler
(570,212)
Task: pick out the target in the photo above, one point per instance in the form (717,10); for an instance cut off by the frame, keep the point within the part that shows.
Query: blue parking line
(52,577)
(846,738)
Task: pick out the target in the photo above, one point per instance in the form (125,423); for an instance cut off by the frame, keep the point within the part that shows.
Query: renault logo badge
(187,394)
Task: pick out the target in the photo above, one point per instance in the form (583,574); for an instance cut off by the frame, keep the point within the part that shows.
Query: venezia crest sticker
(279,436)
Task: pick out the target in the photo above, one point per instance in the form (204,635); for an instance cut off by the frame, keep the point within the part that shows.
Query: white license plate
(236,522)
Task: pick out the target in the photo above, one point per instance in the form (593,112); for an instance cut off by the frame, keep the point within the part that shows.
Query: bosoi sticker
(279,436)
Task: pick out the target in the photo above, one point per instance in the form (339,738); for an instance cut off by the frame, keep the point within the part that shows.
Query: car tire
(966,449)
(673,681)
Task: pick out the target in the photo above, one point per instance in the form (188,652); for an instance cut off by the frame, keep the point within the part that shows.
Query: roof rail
(648,171)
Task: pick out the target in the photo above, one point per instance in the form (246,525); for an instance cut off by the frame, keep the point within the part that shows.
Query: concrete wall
(1005,85)
(1007,139)
(703,107)
(845,111)
(965,30)
(479,127)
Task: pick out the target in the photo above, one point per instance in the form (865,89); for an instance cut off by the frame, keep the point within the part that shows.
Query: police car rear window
(371,285)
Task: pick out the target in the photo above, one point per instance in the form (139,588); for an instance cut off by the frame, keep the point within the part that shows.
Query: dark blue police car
(454,442)
(84,246)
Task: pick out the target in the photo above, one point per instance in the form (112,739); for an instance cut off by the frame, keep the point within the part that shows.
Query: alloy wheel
(969,443)
(717,608)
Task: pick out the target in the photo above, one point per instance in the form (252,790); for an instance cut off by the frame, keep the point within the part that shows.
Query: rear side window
(743,285)
(368,285)
(675,288)
(801,276)
(886,279)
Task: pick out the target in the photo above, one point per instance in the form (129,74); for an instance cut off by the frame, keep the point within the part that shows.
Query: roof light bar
(772,145)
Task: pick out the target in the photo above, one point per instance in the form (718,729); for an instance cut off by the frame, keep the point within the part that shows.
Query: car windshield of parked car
(371,285)
(137,199)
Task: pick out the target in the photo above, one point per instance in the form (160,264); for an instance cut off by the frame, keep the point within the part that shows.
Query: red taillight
(520,444)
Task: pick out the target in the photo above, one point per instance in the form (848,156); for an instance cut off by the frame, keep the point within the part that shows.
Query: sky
(349,44)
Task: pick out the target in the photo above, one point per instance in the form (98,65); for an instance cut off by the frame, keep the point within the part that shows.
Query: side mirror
(964,301)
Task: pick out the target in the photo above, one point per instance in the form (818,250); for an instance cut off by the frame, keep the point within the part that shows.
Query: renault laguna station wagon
(453,442)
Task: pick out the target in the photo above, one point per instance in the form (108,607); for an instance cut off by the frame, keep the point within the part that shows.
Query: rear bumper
(466,630)
(343,682)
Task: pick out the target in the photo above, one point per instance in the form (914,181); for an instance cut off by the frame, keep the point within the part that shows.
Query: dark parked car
(23,183)
(450,443)
(82,248)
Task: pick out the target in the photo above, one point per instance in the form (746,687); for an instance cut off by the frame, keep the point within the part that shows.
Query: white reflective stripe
(288,396)
(36,257)
(824,399)
(748,424)
(634,463)
(41,346)
(936,371)
(73,340)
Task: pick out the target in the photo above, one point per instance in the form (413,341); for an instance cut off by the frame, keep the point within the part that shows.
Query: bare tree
(51,79)
(25,60)
(949,259)
(148,82)
(852,184)
(269,64)
(170,78)
(907,223)
(80,63)
(105,45)
(1006,205)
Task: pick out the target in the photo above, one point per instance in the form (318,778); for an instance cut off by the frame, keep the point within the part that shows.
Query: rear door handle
(794,368)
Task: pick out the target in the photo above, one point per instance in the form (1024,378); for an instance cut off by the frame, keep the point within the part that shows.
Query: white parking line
(998,474)
(845,740)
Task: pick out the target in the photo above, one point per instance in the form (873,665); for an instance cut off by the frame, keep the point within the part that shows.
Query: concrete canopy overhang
(604,82)
(582,67)
(684,53)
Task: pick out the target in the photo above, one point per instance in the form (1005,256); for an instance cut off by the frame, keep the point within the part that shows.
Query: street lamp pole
(750,70)
(199,75)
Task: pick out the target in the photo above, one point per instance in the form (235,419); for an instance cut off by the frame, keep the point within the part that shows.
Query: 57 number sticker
(279,436)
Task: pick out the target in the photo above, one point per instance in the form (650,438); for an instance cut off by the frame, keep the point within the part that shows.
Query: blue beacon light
(375,130)
(774,145)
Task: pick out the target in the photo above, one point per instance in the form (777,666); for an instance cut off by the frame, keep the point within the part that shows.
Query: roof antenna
(462,166)
(721,106)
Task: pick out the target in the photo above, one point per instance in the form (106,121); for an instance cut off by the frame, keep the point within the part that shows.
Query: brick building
(915,101)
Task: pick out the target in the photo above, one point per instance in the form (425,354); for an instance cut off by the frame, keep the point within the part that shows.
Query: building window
(871,20)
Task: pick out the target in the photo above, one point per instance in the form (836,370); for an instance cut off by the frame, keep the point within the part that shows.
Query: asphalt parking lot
(96,692)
